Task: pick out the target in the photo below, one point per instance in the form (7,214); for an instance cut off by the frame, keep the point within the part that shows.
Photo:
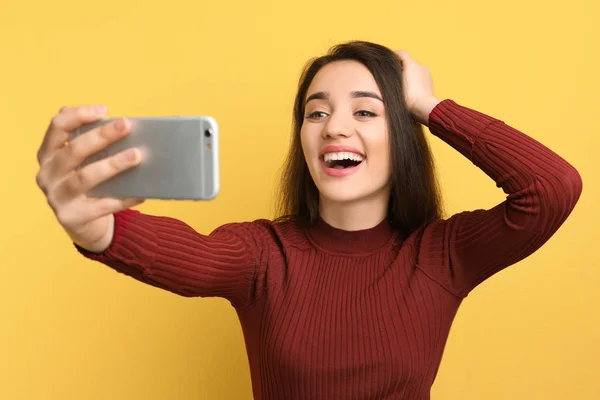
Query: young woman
(352,292)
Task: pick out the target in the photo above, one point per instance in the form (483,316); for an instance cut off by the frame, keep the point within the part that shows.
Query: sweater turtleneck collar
(362,241)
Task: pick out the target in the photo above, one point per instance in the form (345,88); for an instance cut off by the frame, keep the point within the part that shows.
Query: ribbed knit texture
(331,314)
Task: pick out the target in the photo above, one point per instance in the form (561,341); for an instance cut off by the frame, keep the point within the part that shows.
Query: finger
(87,210)
(83,180)
(407,61)
(62,124)
(108,205)
(69,157)
(404,56)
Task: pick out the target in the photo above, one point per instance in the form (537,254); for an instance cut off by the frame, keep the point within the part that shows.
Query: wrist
(423,108)
(100,245)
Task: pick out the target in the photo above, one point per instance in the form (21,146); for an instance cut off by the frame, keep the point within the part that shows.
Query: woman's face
(345,136)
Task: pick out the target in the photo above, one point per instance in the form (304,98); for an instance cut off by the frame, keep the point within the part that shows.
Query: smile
(339,164)
(342,160)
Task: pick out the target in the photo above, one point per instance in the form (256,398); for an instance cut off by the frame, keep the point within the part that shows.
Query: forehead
(342,77)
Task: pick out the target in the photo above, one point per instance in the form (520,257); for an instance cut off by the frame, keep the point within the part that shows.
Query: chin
(356,189)
(336,196)
(344,192)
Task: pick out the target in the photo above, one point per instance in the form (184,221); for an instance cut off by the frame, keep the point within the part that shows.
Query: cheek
(379,153)
(305,144)
(308,142)
(386,154)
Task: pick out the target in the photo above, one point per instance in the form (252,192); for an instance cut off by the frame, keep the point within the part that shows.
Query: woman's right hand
(87,220)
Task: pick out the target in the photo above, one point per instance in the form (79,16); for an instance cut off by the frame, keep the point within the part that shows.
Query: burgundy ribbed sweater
(331,314)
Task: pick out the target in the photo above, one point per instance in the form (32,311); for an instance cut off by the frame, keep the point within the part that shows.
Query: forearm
(511,158)
(167,253)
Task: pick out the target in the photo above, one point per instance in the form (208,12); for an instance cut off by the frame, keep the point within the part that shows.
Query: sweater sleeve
(167,253)
(542,189)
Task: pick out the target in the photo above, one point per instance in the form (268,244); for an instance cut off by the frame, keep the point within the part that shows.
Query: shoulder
(265,232)
(441,230)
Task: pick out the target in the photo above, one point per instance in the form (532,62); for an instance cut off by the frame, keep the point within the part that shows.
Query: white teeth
(342,156)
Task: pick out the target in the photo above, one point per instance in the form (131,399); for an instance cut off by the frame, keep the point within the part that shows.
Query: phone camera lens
(208,133)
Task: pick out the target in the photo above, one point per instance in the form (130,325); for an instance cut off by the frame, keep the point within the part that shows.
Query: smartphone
(180,159)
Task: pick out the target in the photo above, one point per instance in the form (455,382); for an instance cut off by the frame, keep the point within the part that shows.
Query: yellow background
(73,329)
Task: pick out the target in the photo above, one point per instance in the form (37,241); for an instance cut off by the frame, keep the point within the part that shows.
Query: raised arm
(542,190)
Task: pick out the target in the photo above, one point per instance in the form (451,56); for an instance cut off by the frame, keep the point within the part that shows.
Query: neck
(354,215)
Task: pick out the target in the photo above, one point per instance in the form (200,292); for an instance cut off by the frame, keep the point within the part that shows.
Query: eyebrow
(354,95)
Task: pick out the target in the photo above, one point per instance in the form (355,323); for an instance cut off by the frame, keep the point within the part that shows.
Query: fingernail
(120,125)
(132,155)
(99,110)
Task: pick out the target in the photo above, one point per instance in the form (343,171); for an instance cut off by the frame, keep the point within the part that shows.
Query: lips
(339,149)
(339,173)
(336,155)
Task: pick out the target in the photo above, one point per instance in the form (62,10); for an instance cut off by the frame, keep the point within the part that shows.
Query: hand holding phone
(88,221)
(75,165)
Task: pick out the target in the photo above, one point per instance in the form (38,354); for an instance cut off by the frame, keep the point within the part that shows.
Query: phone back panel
(180,159)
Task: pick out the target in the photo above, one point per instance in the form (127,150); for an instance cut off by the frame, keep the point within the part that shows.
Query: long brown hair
(415,196)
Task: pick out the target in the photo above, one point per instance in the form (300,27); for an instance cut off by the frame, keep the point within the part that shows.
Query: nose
(337,126)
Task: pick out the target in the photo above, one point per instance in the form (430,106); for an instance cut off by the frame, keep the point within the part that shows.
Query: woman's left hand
(418,88)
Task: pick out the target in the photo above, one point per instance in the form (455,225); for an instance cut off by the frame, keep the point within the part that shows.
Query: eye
(365,113)
(316,115)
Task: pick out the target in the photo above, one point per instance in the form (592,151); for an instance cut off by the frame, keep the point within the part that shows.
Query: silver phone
(180,159)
